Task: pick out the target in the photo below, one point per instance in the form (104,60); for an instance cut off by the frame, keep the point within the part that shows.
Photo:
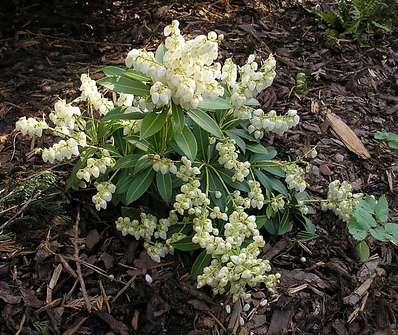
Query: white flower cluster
(239,227)
(261,122)
(217,214)
(252,80)
(60,151)
(95,167)
(160,94)
(239,271)
(295,177)
(104,194)
(228,157)
(188,72)
(341,200)
(239,200)
(186,171)
(91,94)
(277,203)
(164,165)
(130,126)
(31,126)
(191,196)
(255,195)
(231,264)
(148,227)
(143,228)
(125,100)
(64,117)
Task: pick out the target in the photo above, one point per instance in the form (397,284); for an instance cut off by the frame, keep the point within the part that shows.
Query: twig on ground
(78,267)
(124,289)
(21,324)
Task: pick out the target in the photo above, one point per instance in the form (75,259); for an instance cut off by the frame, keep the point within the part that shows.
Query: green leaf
(139,185)
(118,113)
(379,233)
(152,123)
(357,231)
(200,263)
(124,85)
(214,104)
(128,161)
(124,182)
(202,139)
(252,102)
(258,148)
(381,210)
(178,118)
(243,134)
(364,218)
(186,244)
(135,75)
(205,121)
(215,185)
(261,220)
(270,183)
(113,71)
(392,230)
(390,138)
(308,225)
(141,164)
(368,204)
(275,170)
(226,175)
(187,143)
(165,186)
(279,224)
(362,250)
(159,54)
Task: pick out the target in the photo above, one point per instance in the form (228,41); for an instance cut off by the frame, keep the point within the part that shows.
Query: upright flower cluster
(186,74)
(295,177)
(91,94)
(228,157)
(341,200)
(252,79)
(64,117)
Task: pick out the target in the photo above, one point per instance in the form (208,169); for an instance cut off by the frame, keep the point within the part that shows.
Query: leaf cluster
(359,16)
(370,219)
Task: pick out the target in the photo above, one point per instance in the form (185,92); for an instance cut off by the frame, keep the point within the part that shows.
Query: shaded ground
(44,48)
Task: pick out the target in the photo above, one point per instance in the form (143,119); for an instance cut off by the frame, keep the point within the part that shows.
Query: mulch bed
(74,274)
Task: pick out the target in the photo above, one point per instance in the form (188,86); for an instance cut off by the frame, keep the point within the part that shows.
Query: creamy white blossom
(90,93)
(104,194)
(95,167)
(31,126)
(341,200)
(60,151)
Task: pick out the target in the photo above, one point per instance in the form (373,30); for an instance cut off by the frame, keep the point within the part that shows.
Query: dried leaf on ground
(346,134)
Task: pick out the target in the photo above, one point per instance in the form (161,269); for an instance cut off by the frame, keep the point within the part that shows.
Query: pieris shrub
(180,127)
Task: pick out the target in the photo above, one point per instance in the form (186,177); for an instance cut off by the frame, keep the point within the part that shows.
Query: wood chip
(134,320)
(345,133)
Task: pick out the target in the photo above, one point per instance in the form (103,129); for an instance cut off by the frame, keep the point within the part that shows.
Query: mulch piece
(79,276)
